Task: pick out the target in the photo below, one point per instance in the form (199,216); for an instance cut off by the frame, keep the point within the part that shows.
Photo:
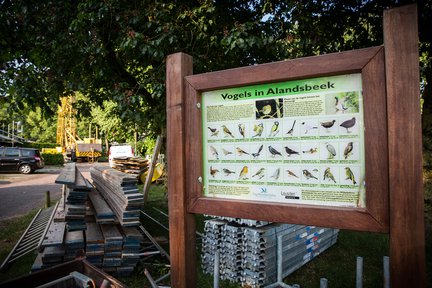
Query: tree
(115,49)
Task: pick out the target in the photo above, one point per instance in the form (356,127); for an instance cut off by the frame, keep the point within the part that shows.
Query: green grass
(337,264)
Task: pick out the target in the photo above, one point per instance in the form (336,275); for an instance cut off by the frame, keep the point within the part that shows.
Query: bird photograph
(276,174)
(332,151)
(227,171)
(307,127)
(241,152)
(350,175)
(329,175)
(311,150)
(258,129)
(328,124)
(265,110)
(255,155)
(339,106)
(308,175)
(213,171)
(291,131)
(290,151)
(348,150)
(243,173)
(227,132)
(214,131)
(291,174)
(274,129)
(348,124)
(226,152)
(273,151)
(214,152)
(241,128)
(259,174)
(268,109)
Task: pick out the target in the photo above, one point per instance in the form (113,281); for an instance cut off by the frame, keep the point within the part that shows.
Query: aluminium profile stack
(211,243)
(252,262)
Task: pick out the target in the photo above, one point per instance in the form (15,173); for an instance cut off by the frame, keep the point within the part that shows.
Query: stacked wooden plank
(77,189)
(104,243)
(133,165)
(120,191)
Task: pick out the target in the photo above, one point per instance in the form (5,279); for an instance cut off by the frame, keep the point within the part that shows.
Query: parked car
(119,151)
(23,160)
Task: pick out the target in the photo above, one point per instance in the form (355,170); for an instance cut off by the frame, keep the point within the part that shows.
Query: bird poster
(297,142)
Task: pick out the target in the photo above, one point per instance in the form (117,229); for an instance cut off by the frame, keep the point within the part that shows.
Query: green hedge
(53,158)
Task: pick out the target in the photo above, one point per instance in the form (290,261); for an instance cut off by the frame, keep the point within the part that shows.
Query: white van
(119,151)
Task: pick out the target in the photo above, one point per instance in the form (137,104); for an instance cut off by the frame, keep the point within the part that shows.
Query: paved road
(19,194)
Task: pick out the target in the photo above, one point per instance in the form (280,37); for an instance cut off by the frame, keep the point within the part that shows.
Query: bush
(39,145)
(53,158)
(103,159)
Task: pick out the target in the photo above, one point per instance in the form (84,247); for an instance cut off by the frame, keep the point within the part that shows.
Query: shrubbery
(53,158)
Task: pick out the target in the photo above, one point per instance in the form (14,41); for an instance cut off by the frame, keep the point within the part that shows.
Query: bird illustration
(339,106)
(213,171)
(257,154)
(348,150)
(311,150)
(292,174)
(328,124)
(307,127)
(214,152)
(308,175)
(266,110)
(290,152)
(214,131)
(350,175)
(226,131)
(226,152)
(276,174)
(274,129)
(243,173)
(258,129)
(291,131)
(273,151)
(348,124)
(260,173)
(332,151)
(227,171)
(329,175)
(240,151)
(241,128)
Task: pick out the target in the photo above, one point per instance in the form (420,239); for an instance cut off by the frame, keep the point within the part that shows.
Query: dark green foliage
(53,158)
(39,145)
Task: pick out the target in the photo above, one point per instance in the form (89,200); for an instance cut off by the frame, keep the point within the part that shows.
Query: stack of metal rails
(248,255)
(120,191)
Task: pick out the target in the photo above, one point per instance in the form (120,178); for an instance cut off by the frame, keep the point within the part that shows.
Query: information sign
(298,142)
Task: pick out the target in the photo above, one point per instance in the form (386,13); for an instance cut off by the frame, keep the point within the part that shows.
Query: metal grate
(29,240)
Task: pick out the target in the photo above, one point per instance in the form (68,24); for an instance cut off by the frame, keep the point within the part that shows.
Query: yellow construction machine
(72,146)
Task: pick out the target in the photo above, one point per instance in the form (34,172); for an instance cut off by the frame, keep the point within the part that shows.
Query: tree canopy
(115,50)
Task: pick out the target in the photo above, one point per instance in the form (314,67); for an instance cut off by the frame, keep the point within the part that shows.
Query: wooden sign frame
(394,196)
(370,63)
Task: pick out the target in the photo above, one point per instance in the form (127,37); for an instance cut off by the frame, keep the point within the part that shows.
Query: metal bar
(386,264)
(323,283)
(160,224)
(359,272)
(163,277)
(216,270)
(163,252)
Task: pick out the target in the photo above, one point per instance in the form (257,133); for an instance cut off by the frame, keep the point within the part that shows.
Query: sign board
(299,142)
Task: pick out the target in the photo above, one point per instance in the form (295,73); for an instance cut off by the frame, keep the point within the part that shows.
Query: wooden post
(47,199)
(182,223)
(150,173)
(407,238)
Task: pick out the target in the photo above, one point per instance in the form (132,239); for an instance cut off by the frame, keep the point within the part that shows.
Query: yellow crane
(72,145)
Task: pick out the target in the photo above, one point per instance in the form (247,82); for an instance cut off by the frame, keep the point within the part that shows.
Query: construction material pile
(132,165)
(120,191)
(76,191)
(248,255)
(105,242)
